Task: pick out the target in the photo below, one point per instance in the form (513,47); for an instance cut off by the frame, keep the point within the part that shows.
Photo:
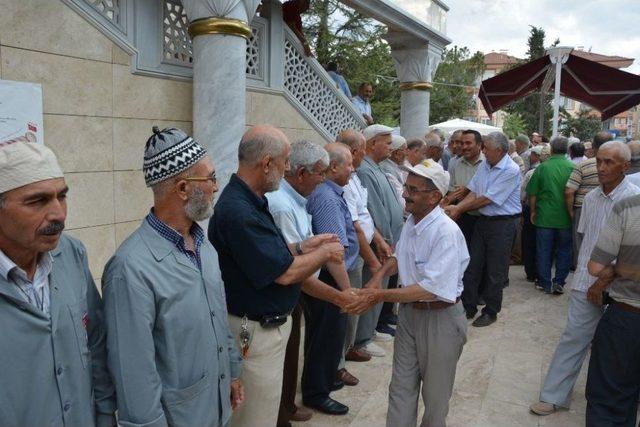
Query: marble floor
(499,372)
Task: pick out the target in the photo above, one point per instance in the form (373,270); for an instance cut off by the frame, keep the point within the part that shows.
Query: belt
(433,305)
(498,217)
(626,307)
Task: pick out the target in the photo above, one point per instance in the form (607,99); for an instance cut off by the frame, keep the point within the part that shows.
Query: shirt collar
(620,188)
(502,163)
(291,192)
(172,235)
(478,160)
(45,263)
(259,202)
(426,221)
(335,187)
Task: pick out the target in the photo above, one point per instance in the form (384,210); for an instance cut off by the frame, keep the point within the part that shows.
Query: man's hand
(606,276)
(373,295)
(532,217)
(368,119)
(335,252)
(458,193)
(353,302)
(314,242)
(374,267)
(237,394)
(383,250)
(453,212)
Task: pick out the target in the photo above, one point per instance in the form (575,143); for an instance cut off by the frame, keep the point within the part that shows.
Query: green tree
(528,108)
(513,125)
(583,126)
(458,72)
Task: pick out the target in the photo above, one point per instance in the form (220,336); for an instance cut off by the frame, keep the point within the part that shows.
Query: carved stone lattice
(177,44)
(314,94)
(254,64)
(110,9)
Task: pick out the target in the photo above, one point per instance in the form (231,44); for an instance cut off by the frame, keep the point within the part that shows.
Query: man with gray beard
(170,350)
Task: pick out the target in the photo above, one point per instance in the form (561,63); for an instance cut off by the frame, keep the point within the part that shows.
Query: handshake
(358,301)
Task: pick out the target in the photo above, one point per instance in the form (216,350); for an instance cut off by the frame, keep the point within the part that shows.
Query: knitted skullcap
(169,152)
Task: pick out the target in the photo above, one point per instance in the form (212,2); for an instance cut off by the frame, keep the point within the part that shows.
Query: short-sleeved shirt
(330,214)
(361,105)
(547,184)
(460,173)
(291,14)
(289,211)
(596,208)
(619,240)
(252,253)
(583,179)
(356,197)
(433,254)
(500,184)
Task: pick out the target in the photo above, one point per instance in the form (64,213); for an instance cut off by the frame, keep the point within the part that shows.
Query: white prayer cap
(23,163)
(397,141)
(432,171)
(372,131)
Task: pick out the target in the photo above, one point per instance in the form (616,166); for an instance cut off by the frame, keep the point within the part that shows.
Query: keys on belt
(244,337)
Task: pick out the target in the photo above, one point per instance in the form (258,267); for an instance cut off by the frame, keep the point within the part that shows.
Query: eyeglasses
(414,190)
(211,178)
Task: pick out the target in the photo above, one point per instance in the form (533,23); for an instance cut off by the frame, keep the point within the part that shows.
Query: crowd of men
(369,238)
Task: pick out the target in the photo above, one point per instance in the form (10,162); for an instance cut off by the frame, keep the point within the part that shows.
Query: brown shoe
(357,355)
(347,378)
(301,414)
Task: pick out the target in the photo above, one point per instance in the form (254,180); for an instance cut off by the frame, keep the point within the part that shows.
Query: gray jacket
(54,369)
(382,202)
(170,350)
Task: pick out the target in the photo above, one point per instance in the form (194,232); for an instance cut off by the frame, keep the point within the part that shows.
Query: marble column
(219,30)
(416,61)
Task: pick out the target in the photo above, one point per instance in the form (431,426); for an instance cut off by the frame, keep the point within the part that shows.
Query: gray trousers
(582,319)
(577,237)
(355,278)
(426,350)
(368,321)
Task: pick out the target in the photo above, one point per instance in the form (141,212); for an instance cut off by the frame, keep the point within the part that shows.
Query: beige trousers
(261,373)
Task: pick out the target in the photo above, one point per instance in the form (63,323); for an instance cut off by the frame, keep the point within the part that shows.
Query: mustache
(54,228)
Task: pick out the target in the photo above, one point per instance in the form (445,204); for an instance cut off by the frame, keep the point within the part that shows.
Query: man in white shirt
(362,102)
(431,257)
(582,318)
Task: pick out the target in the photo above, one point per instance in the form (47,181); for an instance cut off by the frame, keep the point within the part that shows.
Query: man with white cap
(392,166)
(53,353)
(387,214)
(171,353)
(430,258)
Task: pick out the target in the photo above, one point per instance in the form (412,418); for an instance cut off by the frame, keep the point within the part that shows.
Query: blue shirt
(341,82)
(289,211)
(500,184)
(252,253)
(361,105)
(176,238)
(330,214)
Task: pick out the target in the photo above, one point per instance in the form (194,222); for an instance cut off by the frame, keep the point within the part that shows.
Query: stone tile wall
(98,115)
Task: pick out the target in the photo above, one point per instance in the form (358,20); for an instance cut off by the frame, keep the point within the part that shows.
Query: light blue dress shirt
(500,184)
(289,211)
(341,82)
(361,105)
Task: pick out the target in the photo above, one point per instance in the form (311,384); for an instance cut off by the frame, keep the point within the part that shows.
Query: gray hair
(622,149)
(305,154)
(573,140)
(498,140)
(415,143)
(634,147)
(559,145)
(523,139)
(338,152)
(254,148)
(433,139)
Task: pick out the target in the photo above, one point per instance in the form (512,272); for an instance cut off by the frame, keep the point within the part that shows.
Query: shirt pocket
(80,321)
(183,404)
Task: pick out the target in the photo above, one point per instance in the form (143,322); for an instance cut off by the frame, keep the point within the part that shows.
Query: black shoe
(328,406)
(470,315)
(557,289)
(386,329)
(337,385)
(484,320)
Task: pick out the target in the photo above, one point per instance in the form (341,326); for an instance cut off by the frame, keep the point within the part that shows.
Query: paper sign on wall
(21,112)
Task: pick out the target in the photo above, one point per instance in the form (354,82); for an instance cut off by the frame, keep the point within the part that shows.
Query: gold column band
(415,86)
(232,27)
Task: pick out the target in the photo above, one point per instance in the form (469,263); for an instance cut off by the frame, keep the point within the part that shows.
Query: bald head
(338,152)
(260,141)
(351,138)
(634,147)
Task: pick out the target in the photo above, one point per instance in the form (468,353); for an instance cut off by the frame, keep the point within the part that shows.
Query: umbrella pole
(558,56)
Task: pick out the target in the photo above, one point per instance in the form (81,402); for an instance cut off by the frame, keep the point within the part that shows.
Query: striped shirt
(619,240)
(176,238)
(34,291)
(330,214)
(595,210)
(583,179)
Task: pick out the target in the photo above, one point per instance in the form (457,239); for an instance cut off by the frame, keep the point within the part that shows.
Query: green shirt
(547,185)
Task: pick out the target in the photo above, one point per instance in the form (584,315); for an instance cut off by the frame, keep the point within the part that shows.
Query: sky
(609,27)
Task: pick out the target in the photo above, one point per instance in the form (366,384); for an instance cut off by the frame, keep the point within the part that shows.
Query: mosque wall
(98,115)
